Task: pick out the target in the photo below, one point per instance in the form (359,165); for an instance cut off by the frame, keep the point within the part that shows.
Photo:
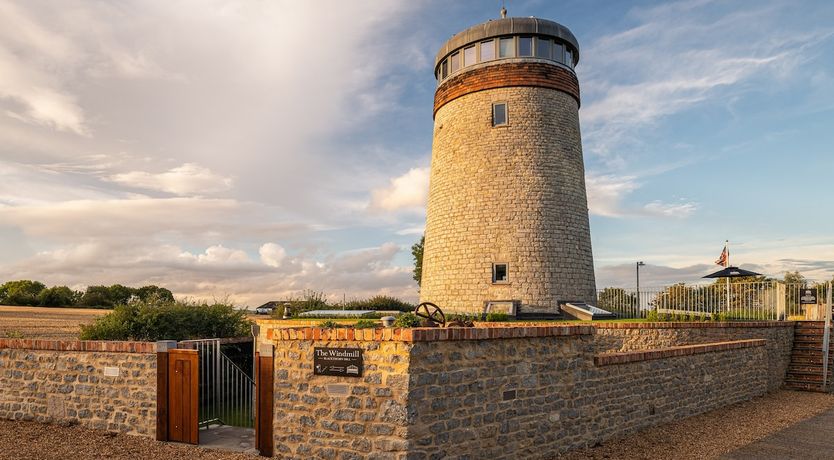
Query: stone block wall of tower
(513,194)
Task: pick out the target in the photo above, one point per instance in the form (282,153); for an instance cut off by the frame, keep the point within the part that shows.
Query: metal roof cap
(506,26)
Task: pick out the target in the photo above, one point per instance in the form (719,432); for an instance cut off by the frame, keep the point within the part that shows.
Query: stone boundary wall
(508,392)
(70,382)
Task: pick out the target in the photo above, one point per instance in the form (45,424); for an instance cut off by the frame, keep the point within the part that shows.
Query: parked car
(263,311)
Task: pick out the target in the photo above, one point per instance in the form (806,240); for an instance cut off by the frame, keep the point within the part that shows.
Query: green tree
(120,295)
(96,296)
(617,299)
(58,296)
(417,252)
(151,292)
(795,278)
(21,292)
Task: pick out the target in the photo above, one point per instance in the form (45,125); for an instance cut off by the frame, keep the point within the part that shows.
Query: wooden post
(264,436)
(162,415)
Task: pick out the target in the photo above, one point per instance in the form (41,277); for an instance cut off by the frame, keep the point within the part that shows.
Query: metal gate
(227,392)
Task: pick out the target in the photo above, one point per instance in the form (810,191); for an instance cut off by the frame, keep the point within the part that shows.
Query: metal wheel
(431,312)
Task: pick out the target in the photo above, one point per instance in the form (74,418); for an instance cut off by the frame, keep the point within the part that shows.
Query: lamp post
(638,265)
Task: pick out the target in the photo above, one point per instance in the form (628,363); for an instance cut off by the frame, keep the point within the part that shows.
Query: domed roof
(507,26)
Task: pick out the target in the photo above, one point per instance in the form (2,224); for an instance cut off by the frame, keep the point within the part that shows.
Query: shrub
(309,300)
(366,324)
(328,324)
(497,317)
(379,302)
(181,320)
(461,317)
(652,316)
(407,320)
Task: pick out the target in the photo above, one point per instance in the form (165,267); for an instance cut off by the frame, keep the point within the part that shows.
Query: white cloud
(219,255)
(663,66)
(676,210)
(606,192)
(272,254)
(408,191)
(188,179)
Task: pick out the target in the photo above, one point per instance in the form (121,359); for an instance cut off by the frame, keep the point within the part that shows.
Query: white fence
(767,300)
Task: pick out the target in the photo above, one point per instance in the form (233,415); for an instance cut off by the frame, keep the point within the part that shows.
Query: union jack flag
(724,258)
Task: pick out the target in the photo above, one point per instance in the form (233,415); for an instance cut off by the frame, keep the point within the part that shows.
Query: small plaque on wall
(337,362)
(807,296)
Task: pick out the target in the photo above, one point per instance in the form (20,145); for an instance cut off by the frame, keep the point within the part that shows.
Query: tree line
(36,294)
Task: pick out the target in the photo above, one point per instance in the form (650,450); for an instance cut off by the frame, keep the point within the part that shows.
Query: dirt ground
(43,322)
(707,436)
(713,434)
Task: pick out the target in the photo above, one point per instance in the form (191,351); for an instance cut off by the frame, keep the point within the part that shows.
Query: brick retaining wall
(54,381)
(642,336)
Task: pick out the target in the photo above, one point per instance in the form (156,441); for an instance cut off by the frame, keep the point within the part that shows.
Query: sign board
(807,296)
(337,362)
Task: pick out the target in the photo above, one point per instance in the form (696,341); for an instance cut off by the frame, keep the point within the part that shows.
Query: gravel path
(713,434)
(30,440)
(707,436)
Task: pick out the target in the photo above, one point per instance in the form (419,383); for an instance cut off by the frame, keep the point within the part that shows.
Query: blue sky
(214,148)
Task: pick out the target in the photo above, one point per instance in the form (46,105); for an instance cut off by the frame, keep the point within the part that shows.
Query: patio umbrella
(731,272)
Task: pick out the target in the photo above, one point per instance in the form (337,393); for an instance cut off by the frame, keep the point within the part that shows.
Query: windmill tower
(507,216)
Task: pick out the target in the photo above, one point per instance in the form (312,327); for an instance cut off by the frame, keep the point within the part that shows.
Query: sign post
(826,336)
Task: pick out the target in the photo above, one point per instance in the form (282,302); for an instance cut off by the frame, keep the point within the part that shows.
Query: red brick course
(424,334)
(505,75)
(607,359)
(79,345)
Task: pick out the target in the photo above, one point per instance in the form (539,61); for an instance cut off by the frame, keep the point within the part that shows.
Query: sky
(252,150)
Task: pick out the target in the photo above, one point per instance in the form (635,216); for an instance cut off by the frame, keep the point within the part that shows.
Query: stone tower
(507,212)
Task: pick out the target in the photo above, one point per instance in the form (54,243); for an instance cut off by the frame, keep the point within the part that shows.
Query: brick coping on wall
(693,324)
(606,359)
(425,334)
(79,345)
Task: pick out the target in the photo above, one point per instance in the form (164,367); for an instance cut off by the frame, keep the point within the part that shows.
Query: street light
(638,265)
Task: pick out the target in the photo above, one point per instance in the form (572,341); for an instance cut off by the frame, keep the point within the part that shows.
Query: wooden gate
(183,378)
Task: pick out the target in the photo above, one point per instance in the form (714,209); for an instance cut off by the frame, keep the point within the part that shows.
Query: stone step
(807,370)
(803,379)
(799,386)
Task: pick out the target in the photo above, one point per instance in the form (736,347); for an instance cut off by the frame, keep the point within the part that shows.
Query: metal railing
(761,300)
(226,392)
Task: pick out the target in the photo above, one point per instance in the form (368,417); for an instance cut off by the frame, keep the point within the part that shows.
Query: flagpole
(727,245)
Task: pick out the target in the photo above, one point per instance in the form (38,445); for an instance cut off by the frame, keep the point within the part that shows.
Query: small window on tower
(487,50)
(499,114)
(469,56)
(525,46)
(506,47)
(454,62)
(500,273)
(542,48)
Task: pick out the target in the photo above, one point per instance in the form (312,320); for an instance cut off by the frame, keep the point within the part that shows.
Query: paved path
(231,438)
(806,440)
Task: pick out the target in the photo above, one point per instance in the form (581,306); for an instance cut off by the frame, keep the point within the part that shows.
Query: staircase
(805,369)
